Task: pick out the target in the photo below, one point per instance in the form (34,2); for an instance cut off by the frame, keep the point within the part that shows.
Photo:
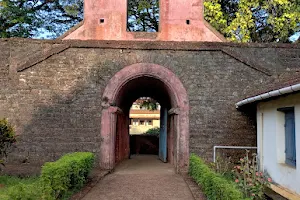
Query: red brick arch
(179,110)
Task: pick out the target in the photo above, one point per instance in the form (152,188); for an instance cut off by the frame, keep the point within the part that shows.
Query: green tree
(143,15)
(148,103)
(30,18)
(7,138)
(254,20)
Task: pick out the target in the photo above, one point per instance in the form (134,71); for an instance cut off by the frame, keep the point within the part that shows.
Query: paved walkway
(143,177)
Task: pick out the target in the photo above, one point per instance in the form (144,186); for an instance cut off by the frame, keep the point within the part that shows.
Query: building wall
(55,103)
(271,141)
(140,129)
(138,114)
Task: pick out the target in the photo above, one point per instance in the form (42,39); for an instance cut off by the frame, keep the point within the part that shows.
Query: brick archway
(179,110)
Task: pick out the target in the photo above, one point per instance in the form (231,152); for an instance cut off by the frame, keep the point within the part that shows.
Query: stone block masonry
(51,91)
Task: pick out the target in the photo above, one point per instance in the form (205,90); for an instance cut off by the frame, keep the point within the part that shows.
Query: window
(142,122)
(148,122)
(135,122)
(290,140)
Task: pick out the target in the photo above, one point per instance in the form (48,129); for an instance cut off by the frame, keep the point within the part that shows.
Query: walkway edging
(194,188)
(90,185)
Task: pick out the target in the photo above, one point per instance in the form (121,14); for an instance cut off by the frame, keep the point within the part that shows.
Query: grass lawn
(7,184)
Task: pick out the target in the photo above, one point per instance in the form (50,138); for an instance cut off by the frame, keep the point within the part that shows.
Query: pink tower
(180,20)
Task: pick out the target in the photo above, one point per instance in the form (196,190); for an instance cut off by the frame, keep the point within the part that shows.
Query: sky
(295,37)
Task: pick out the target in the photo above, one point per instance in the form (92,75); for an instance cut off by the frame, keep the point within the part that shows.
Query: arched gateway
(127,85)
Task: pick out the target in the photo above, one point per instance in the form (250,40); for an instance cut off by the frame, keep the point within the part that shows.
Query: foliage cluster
(58,179)
(213,185)
(250,180)
(69,173)
(222,166)
(143,15)
(255,20)
(7,138)
(29,18)
(32,191)
(245,173)
(9,188)
(153,132)
(147,103)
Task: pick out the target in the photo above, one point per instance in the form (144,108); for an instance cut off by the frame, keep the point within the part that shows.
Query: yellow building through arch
(141,120)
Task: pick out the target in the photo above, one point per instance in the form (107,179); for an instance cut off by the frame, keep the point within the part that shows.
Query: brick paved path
(141,178)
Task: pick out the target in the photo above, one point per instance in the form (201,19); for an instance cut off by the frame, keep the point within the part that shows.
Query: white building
(278,137)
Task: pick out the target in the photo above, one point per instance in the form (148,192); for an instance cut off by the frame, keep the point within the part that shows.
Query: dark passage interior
(144,144)
(125,145)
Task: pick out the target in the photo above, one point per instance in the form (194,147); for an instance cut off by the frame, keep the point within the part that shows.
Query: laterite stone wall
(51,90)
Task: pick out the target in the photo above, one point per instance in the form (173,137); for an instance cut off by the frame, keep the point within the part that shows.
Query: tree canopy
(237,20)
(143,15)
(147,103)
(254,20)
(33,18)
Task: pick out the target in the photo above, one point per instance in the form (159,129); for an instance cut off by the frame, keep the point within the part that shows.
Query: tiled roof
(144,112)
(275,89)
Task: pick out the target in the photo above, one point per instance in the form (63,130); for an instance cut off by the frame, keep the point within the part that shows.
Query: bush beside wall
(33,191)
(67,174)
(58,179)
(214,186)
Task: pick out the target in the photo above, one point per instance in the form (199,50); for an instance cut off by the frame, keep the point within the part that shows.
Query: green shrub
(153,132)
(214,186)
(69,173)
(7,138)
(16,188)
(33,191)
(249,179)
(58,179)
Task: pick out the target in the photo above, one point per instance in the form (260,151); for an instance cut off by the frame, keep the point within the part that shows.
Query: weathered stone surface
(55,104)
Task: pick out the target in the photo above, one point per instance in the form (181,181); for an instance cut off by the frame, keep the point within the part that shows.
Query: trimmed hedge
(32,191)
(214,186)
(58,179)
(67,174)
